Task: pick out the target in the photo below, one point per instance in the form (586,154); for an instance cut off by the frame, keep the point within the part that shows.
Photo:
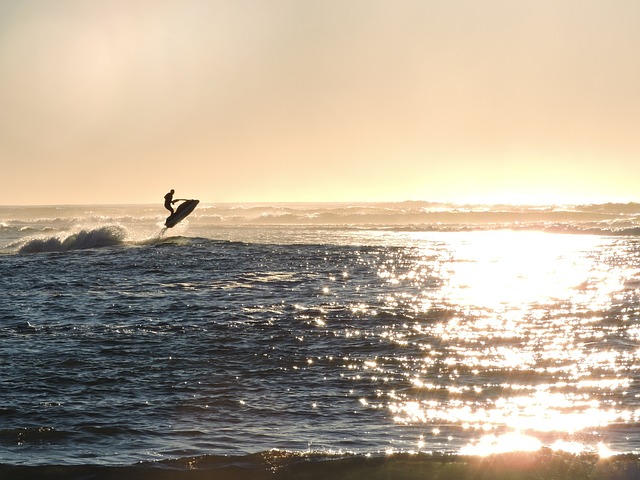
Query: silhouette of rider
(168,200)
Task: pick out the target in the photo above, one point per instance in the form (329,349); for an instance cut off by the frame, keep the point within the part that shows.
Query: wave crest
(105,236)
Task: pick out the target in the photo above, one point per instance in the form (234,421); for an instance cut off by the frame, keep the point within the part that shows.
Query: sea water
(254,339)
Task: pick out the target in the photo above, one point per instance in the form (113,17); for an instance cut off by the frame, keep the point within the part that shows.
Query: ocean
(399,340)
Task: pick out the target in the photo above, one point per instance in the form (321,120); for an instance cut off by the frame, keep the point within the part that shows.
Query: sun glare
(510,442)
(505,269)
(519,357)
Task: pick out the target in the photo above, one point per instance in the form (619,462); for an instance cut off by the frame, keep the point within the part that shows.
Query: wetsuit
(167,202)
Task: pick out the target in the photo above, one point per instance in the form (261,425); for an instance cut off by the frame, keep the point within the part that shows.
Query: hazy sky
(319,100)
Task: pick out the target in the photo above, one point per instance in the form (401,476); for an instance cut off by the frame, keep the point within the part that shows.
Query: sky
(119,101)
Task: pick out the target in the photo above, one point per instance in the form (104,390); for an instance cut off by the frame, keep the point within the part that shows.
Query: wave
(105,236)
(430,215)
(586,229)
(43,229)
(32,435)
(278,465)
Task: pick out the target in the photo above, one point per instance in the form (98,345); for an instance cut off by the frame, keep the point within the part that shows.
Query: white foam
(104,236)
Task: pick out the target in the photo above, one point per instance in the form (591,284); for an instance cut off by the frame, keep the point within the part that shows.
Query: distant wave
(105,236)
(594,230)
(577,229)
(418,213)
(275,465)
(31,229)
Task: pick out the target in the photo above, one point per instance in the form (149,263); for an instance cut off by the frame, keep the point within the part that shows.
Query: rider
(168,200)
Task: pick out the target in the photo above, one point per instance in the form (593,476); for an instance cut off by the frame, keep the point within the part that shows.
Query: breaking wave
(105,236)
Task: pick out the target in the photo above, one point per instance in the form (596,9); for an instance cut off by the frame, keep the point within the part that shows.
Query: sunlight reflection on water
(523,356)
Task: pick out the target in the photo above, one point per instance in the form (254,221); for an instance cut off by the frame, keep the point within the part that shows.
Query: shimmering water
(234,335)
